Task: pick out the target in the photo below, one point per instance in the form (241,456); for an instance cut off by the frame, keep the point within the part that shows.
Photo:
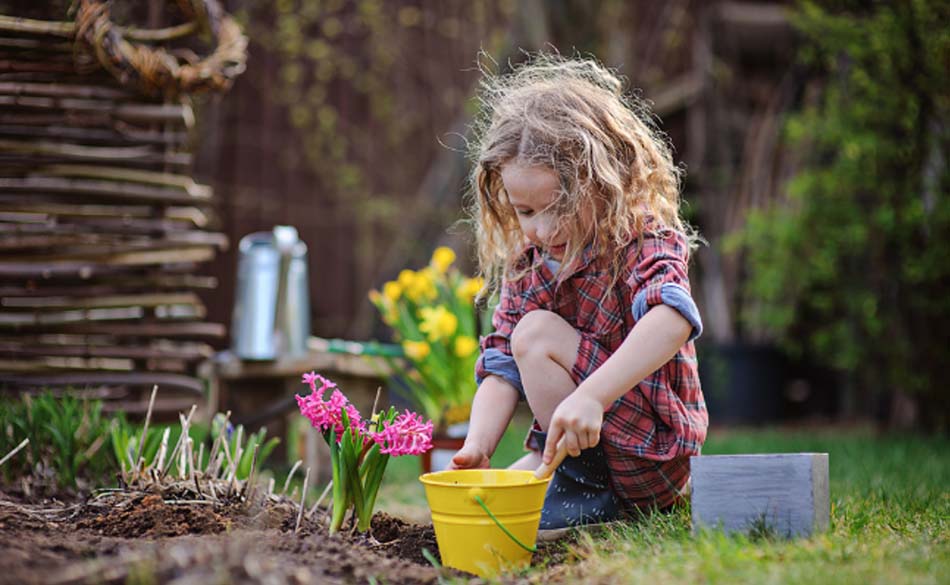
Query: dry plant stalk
(15,450)
(148,419)
(303,500)
(195,482)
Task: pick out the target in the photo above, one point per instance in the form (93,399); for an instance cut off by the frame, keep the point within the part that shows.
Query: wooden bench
(261,393)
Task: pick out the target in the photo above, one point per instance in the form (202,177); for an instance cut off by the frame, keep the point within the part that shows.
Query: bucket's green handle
(481,503)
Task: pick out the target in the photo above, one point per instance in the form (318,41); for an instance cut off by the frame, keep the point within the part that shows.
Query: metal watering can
(271,316)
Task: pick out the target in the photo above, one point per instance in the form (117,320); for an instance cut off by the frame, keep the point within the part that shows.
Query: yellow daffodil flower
(422,287)
(406,278)
(424,308)
(438,322)
(416,350)
(442,258)
(469,288)
(465,346)
(392,290)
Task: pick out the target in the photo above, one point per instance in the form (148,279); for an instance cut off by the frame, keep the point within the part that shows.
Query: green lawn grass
(890,508)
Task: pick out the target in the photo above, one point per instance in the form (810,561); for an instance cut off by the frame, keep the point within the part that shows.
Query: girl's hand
(578,419)
(470,457)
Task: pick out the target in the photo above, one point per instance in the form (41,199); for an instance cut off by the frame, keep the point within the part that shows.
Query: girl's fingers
(593,437)
(550,446)
(582,440)
(572,444)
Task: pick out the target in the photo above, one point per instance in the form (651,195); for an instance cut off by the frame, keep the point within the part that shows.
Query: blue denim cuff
(675,296)
(497,362)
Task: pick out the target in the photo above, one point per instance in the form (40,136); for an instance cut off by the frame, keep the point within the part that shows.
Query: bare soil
(145,538)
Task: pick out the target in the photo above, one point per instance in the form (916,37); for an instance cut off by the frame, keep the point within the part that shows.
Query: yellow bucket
(485,519)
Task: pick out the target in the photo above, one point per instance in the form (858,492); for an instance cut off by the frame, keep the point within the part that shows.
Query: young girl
(577,214)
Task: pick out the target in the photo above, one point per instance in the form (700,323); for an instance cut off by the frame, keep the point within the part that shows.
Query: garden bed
(151,539)
(147,539)
(199,506)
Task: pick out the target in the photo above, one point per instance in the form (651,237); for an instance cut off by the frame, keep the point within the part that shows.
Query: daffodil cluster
(432,314)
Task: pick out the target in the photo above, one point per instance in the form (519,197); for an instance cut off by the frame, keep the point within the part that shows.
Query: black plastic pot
(743,384)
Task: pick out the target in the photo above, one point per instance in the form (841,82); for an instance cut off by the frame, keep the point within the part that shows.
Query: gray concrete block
(786,494)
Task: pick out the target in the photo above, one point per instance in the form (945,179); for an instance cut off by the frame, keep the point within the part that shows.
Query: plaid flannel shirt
(650,432)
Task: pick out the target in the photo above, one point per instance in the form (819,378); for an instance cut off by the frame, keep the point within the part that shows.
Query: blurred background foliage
(69,441)
(852,267)
(350,125)
(814,136)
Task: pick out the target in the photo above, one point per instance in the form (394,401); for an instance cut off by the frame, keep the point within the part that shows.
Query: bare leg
(530,461)
(545,348)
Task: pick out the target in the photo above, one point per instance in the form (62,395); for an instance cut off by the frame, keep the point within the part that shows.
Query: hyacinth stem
(339,489)
(351,448)
(376,467)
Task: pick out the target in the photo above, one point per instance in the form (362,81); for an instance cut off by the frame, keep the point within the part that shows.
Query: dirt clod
(151,517)
(400,539)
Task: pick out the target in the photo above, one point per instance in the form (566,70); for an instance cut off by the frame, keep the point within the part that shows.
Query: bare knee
(539,334)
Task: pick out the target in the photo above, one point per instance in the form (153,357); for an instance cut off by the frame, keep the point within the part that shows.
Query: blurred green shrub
(854,269)
(72,445)
(68,439)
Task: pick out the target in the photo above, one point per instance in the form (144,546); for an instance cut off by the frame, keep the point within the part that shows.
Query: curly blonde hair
(571,116)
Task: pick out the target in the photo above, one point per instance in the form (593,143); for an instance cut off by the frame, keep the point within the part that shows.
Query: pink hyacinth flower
(312,378)
(406,435)
(315,409)
(328,414)
(337,404)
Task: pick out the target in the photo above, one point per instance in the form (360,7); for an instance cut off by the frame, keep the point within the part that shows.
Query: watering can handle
(545,470)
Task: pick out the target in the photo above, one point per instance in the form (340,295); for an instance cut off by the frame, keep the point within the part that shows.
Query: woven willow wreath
(154,70)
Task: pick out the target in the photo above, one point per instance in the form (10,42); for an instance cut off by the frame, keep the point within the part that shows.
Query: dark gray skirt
(579,492)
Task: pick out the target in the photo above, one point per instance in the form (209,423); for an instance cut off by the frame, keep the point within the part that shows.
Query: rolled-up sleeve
(494,362)
(496,358)
(658,274)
